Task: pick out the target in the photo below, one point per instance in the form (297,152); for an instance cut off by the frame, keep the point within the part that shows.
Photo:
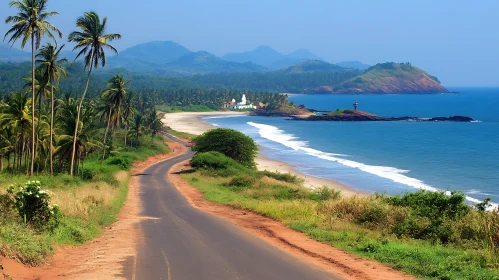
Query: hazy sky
(455,40)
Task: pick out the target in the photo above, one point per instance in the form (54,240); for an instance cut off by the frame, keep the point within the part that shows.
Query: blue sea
(391,157)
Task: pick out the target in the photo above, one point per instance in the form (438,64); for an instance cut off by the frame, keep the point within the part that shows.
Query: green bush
(87,173)
(215,161)
(242,181)
(433,205)
(229,142)
(33,205)
(284,177)
(325,193)
(123,162)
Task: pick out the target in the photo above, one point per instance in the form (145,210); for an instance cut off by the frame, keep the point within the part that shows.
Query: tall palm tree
(155,124)
(114,97)
(128,112)
(31,23)
(41,94)
(66,117)
(51,64)
(90,41)
(138,127)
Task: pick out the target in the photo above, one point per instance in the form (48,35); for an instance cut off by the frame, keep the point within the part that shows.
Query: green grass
(90,204)
(189,108)
(301,210)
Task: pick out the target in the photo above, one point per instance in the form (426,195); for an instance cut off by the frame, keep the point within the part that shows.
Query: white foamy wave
(394,174)
(476,121)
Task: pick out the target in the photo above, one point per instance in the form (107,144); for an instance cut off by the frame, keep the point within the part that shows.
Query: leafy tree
(229,142)
(90,41)
(31,23)
(51,65)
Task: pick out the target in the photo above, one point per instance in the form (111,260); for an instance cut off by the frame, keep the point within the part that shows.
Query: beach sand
(192,123)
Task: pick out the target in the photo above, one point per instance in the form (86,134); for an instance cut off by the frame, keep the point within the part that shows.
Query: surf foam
(274,134)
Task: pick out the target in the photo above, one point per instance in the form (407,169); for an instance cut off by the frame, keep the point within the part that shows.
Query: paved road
(182,242)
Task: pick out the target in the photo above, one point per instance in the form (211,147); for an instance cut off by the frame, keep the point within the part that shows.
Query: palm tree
(127,112)
(154,124)
(66,118)
(51,64)
(90,42)
(41,94)
(114,97)
(15,117)
(138,127)
(31,23)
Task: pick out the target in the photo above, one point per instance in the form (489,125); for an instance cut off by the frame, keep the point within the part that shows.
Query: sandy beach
(191,122)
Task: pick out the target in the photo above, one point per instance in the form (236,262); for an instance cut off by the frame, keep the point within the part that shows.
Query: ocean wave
(391,173)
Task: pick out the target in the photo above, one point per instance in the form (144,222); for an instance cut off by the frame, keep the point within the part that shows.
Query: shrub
(215,161)
(284,177)
(6,207)
(325,193)
(33,205)
(122,162)
(229,142)
(242,181)
(87,173)
(433,205)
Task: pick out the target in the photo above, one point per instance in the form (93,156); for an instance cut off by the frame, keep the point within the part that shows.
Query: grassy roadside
(363,226)
(87,203)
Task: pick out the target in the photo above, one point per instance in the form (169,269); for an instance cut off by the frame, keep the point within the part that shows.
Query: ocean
(391,157)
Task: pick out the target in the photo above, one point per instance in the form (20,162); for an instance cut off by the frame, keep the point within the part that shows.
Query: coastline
(191,122)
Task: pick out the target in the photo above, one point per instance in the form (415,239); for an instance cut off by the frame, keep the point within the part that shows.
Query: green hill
(391,78)
(312,66)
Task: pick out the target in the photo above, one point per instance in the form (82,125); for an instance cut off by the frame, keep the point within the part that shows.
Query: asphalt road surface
(181,242)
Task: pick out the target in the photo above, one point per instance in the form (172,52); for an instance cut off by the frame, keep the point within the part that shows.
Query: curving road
(181,242)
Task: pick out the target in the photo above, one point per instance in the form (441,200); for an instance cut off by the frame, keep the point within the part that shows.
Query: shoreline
(191,122)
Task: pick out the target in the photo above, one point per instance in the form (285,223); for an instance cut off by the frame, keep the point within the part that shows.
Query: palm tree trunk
(126,132)
(32,104)
(105,137)
(52,130)
(38,130)
(71,167)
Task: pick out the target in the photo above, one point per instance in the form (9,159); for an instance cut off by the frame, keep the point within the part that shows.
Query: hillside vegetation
(392,78)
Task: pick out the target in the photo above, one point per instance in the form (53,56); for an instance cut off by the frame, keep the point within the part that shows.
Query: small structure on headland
(244,104)
(355,105)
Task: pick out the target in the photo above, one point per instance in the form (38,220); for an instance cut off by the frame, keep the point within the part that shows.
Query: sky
(455,40)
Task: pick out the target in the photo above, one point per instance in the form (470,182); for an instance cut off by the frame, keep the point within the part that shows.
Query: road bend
(181,242)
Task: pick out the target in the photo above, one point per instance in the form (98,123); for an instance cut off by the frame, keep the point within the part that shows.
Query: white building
(241,105)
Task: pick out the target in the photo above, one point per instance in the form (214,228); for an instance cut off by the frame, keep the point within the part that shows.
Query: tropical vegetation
(51,136)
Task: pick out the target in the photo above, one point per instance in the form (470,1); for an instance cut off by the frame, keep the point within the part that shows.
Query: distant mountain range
(12,54)
(260,69)
(171,58)
(270,58)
